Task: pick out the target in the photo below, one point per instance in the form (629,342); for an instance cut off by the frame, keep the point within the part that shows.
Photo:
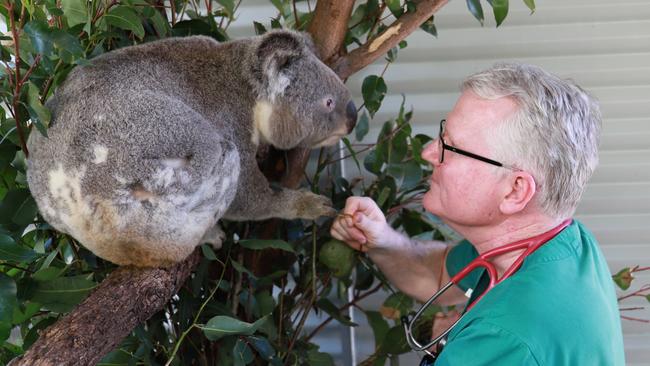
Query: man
(510,163)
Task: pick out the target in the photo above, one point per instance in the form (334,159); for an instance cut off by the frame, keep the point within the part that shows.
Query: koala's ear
(279,49)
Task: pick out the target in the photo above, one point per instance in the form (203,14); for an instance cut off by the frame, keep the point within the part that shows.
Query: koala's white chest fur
(262,122)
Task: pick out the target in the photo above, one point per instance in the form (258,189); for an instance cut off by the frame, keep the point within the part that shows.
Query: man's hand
(362,225)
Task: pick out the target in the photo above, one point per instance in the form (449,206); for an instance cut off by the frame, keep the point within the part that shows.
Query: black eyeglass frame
(444,147)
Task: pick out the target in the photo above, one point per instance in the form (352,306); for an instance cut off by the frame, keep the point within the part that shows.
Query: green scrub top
(559,309)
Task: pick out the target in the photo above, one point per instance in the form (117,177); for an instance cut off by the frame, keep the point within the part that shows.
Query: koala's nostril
(352,116)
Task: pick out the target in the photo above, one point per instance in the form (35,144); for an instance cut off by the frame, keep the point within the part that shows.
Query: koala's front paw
(311,206)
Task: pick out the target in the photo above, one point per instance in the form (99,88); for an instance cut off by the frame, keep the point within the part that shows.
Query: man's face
(465,191)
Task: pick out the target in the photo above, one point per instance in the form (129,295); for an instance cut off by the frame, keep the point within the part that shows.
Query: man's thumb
(362,222)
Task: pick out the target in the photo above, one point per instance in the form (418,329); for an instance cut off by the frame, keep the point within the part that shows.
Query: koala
(150,145)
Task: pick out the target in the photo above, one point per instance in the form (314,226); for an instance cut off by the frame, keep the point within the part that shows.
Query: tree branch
(126,298)
(389,38)
(329,26)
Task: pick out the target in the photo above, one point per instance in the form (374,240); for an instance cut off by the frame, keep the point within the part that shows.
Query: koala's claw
(311,206)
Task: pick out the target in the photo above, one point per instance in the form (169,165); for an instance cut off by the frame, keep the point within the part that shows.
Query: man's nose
(430,152)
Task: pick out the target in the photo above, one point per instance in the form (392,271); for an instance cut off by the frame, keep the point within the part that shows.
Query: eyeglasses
(442,146)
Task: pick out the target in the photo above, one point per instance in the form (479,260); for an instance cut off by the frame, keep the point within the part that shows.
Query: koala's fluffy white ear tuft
(276,51)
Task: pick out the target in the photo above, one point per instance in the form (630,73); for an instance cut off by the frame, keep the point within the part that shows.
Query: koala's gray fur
(150,145)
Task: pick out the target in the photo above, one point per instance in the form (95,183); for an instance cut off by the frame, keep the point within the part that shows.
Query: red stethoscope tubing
(529,244)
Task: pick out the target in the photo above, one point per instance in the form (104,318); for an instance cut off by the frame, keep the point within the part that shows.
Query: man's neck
(506,232)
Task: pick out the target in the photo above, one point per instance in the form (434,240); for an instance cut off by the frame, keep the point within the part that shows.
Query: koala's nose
(351,112)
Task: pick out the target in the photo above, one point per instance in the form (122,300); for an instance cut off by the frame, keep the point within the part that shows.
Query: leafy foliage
(248,302)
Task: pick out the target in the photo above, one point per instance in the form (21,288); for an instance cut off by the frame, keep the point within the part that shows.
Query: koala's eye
(329,103)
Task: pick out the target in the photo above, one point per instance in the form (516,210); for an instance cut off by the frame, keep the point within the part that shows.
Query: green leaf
(363,126)
(647,297)
(500,8)
(125,18)
(76,11)
(48,274)
(429,27)
(18,207)
(378,324)
(63,293)
(160,24)
(352,152)
(396,305)
(259,28)
(408,174)
(7,305)
(208,252)
(476,9)
(228,6)
(623,278)
(39,34)
(316,358)
(395,341)
(221,326)
(327,306)
(69,45)
(373,89)
(41,113)
(265,349)
(241,269)
(531,5)
(242,354)
(258,244)
(395,7)
(372,163)
(11,251)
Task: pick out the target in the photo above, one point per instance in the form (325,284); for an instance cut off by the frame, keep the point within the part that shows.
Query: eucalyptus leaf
(258,244)
(11,251)
(7,304)
(373,90)
(42,114)
(476,9)
(39,34)
(241,269)
(222,326)
(500,8)
(395,341)
(242,354)
(265,350)
(531,5)
(76,11)
(63,293)
(327,306)
(363,126)
(623,278)
(429,27)
(125,18)
(259,28)
(379,326)
(396,305)
(316,358)
(67,44)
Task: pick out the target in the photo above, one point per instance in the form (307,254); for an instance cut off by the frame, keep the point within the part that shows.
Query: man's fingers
(343,231)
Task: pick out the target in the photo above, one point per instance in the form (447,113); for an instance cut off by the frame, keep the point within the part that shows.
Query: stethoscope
(529,244)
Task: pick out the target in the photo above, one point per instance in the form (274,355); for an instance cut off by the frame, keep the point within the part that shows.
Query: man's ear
(519,192)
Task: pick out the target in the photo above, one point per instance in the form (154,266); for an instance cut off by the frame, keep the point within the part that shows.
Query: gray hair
(554,135)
